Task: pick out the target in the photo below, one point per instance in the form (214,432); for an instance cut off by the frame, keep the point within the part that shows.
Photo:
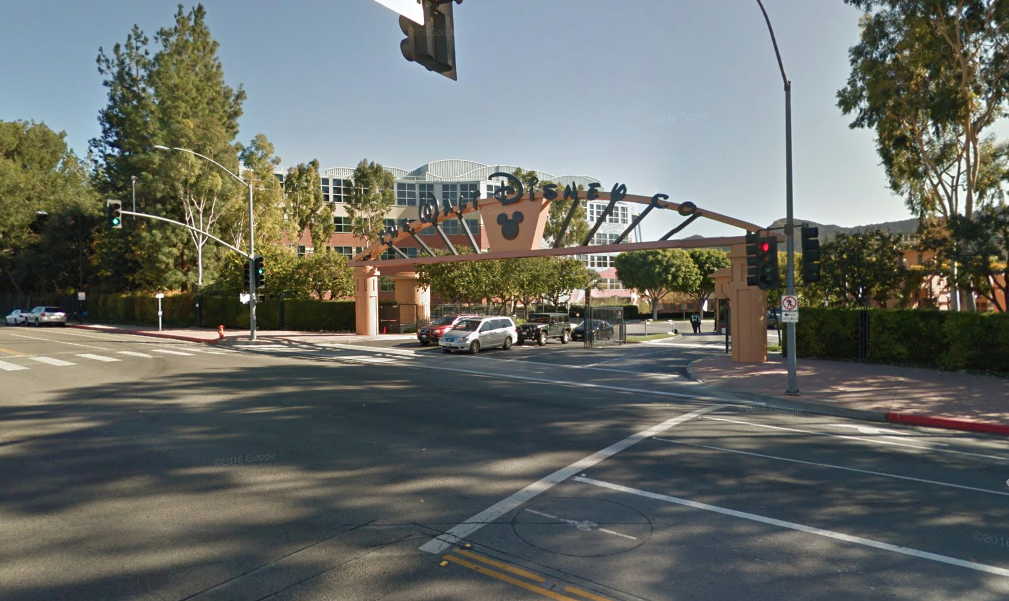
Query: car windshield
(467,325)
(538,319)
(444,321)
(53,310)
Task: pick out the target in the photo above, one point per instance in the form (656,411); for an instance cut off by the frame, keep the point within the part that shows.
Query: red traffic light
(764,247)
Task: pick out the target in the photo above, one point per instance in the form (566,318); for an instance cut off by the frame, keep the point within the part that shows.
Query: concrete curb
(145,333)
(949,424)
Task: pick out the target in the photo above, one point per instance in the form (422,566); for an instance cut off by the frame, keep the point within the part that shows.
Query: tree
(566,275)
(981,251)
(372,195)
(328,274)
(707,261)
(932,77)
(258,160)
(656,273)
(306,204)
(461,282)
(857,267)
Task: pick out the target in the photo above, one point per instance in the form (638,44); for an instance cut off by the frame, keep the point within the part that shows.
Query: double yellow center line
(10,352)
(524,576)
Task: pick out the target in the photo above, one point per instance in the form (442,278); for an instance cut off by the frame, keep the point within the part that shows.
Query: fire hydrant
(220,331)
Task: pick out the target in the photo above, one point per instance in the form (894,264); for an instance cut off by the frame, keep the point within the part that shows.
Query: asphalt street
(142,468)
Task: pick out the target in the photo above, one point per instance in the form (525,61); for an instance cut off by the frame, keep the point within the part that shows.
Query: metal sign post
(159,296)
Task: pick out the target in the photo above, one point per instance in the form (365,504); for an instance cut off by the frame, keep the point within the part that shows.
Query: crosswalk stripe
(208,351)
(168,352)
(51,361)
(10,366)
(135,354)
(98,357)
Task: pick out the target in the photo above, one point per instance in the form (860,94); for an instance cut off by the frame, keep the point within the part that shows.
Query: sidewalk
(914,396)
(210,336)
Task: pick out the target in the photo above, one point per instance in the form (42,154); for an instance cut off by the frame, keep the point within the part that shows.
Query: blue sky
(682,97)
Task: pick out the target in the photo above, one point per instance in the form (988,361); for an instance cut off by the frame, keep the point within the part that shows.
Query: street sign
(159,295)
(81,296)
(790,317)
(411,9)
(790,302)
(243,297)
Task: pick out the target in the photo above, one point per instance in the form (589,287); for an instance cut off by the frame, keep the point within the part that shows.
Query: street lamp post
(792,387)
(133,179)
(252,236)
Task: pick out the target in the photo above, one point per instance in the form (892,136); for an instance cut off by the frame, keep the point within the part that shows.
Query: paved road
(294,472)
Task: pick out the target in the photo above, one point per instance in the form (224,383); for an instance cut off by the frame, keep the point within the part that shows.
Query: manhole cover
(582,527)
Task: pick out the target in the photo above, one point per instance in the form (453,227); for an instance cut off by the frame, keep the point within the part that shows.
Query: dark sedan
(601,330)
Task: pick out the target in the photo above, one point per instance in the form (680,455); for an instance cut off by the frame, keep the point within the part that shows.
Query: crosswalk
(110,356)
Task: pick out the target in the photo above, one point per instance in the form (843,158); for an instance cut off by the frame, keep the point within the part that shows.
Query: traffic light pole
(187,226)
(792,387)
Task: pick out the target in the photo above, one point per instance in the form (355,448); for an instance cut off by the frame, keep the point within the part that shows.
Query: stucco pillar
(747,312)
(409,291)
(366,300)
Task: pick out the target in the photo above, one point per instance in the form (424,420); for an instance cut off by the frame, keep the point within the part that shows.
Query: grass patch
(774,348)
(650,337)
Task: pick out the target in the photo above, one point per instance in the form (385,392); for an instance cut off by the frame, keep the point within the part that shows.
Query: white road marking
(626,358)
(200,349)
(355,347)
(98,357)
(51,361)
(170,352)
(862,439)
(802,528)
(101,348)
(492,513)
(11,366)
(837,467)
(369,359)
(585,525)
(609,369)
(136,354)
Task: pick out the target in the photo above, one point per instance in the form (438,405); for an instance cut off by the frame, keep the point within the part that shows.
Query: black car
(541,326)
(601,330)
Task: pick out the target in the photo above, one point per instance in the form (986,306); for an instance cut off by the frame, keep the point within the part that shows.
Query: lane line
(171,352)
(583,525)
(136,354)
(101,348)
(862,439)
(501,565)
(858,540)
(11,366)
(51,361)
(98,357)
(10,352)
(590,596)
(509,579)
(839,467)
(492,513)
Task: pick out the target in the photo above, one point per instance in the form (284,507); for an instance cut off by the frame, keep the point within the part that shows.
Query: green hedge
(977,342)
(319,316)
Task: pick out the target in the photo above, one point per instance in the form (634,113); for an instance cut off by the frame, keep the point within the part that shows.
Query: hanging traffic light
(810,254)
(767,259)
(752,252)
(433,43)
(113,210)
(259,271)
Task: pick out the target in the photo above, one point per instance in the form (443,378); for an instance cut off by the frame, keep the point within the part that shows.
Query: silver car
(478,333)
(46,315)
(16,317)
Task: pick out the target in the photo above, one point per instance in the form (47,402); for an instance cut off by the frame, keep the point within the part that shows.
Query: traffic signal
(767,259)
(752,252)
(248,275)
(114,211)
(259,271)
(810,254)
(433,43)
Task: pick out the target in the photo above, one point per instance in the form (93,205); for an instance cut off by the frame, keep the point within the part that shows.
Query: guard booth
(604,326)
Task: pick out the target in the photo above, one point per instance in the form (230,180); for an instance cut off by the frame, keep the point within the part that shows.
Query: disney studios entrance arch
(515,219)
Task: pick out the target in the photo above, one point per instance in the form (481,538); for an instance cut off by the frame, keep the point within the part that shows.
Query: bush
(319,316)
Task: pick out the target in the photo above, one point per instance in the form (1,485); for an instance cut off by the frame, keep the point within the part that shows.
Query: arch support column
(747,309)
(409,291)
(366,300)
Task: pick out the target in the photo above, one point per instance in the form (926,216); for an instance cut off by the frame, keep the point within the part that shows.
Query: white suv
(476,333)
(46,315)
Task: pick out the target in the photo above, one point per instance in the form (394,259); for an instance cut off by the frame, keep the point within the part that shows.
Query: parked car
(476,333)
(434,330)
(46,315)
(541,326)
(774,318)
(16,317)
(601,330)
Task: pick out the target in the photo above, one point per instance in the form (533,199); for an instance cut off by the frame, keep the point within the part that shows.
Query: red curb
(151,334)
(951,424)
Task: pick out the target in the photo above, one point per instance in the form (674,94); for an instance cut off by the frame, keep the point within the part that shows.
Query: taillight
(43,315)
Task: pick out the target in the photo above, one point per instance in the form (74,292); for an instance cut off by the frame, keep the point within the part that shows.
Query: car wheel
(565,337)
(542,340)
(474,347)
(507,343)
(446,350)
(425,342)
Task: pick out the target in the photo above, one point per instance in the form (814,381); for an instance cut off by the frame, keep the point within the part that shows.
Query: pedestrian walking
(695,323)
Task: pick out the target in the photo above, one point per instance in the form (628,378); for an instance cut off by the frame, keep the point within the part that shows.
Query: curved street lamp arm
(211,236)
(228,171)
(774,41)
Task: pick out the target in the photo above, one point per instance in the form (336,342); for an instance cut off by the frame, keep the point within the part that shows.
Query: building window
(428,231)
(425,192)
(406,195)
(342,224)
(490,190)
(601,239)
(390,223)
(469,192)
(449,195)
(611,284)
(620,215)
(600,261)
(305,250)
(347,251)
(324,183)
(386,284)
(450,227)
(473,225)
